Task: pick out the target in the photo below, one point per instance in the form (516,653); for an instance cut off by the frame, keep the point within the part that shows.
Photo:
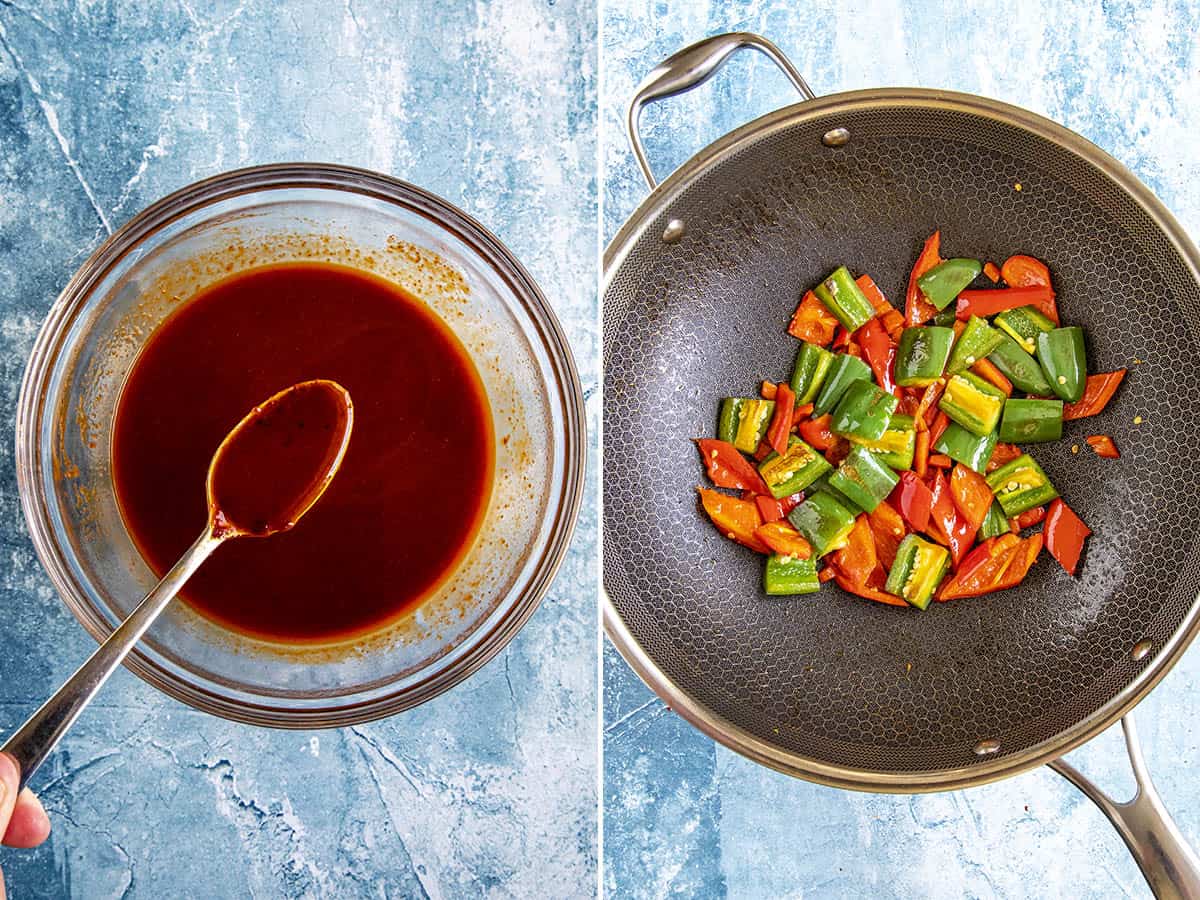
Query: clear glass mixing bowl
(248,218)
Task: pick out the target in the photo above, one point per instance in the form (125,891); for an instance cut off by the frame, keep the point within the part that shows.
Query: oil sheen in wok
(411,492)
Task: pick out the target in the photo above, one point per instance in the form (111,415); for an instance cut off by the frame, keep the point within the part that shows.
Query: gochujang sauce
(412,489)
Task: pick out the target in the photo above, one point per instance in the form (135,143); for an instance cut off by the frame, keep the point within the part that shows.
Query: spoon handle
(34,740)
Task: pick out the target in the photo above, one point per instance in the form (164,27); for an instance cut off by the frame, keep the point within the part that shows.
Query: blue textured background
(684,817)
(104,107)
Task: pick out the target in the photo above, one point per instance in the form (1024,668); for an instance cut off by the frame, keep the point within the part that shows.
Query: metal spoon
(268,431)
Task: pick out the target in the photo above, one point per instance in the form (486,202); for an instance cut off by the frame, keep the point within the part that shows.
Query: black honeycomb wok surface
(830,677)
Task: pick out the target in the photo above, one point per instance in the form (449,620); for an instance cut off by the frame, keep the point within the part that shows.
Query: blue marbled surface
(104,107)
(685,817)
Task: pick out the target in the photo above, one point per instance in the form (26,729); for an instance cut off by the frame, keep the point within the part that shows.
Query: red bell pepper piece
(912,497)
(728,468)
(987,302)
(979,574)
(940,460)
(962,536)
(940,423)
(1025,271)
(1096,394)
(827,574)
(842,339)
(858,559)
(971,495)
(781,420)
(1004,453)
(782,538)
(879,350)
(892,321)
(801,413)
(839,449)
(918,310)
(973,560)
(861,590)
(768,390)
(941,510)
(1104,446)
(921,453)
(991,271)
(986,369)
(763,451)
(773,510)
(1065,534)
(737,519)
(887,526)
(1030,517)
(812,322)
(816,432)
(927,409)
(1020,562)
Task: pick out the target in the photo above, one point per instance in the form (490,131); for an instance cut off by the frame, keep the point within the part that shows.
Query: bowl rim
(228,185)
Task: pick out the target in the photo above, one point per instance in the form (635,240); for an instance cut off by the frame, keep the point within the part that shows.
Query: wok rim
(741,740)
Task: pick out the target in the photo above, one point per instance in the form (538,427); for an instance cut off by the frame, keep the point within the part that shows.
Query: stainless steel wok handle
(1169,864)
(691,67)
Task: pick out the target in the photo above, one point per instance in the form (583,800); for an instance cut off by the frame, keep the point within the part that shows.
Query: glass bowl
(249,218)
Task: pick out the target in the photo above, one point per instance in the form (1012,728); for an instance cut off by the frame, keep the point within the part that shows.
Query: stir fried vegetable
(891,461)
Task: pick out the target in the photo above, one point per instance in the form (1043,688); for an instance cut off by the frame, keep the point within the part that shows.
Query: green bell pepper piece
(1020,485)
(844,298)
(787,576)
(1019,367)
(1023,325)
(971,450)
(977,340)
(812,365)
(995,523)
(973,403)
(943,282)
(863,478)
(1064,361)
(917,571)
(822,484)
(1031,421)
(946,318)
(922,354)
(844,371)
(795,470)
(864,411)
(824,522)
(744,421)
(898,444)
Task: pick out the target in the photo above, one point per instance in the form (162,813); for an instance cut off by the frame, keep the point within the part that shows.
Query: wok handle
(691,67)
(1169,864)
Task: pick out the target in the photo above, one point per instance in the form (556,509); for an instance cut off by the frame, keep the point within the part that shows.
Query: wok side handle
(691,67)
(1171,866)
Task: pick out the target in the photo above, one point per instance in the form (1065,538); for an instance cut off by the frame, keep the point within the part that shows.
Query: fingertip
(29,825)
(10,778)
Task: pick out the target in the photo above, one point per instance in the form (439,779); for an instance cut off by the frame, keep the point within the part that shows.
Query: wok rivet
(987,748)
(836,137)
(674,232)
(1141,650)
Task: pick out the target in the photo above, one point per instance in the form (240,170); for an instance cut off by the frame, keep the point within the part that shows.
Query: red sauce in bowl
(412,489)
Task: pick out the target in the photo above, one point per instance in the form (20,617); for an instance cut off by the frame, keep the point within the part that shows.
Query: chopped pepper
(887,527)
(863,478)
(977,340)
(1099,390)
(824,522)
(734,518)
(844,298)
(971,495)
(1021,485)
(858,560)
(989,301)
(1023,325)
(917,571)
(812,322)
(728,468)
(913,499)
(744,420)
(1064,361)
(943,282)
(788,576)
(867,592)
(781,421)
(844,371)
(1020,368)
(918,310)
(895,447)
(973,403)
(965,447)
(793,471)
(891,318)
(1104,446)
(1025,271)
(995,523)
(922,355)
(1065,533)
(1031,421)
(879,350)
(782,538)
(812,365)
(863,412)
(817,432)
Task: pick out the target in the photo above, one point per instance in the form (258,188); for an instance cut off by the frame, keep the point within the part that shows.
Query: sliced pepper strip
(869,593)
(1104,446)
(1065,533)
(921,452)
(940,422)
(987,302)
(858,559)
(941,510)
(1096,394)
(785,540)
(887,527)
(1025,271)
(893,321)
(879,350)
(940,461)
(768,390)
(971,495)
(913,499)
(781,421)
(817,432)
(812,322)
(728,468)
(769,508)
(991,271)
(986,369)
(1030,517)
(918,310)
(1020,562)
(737,519)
